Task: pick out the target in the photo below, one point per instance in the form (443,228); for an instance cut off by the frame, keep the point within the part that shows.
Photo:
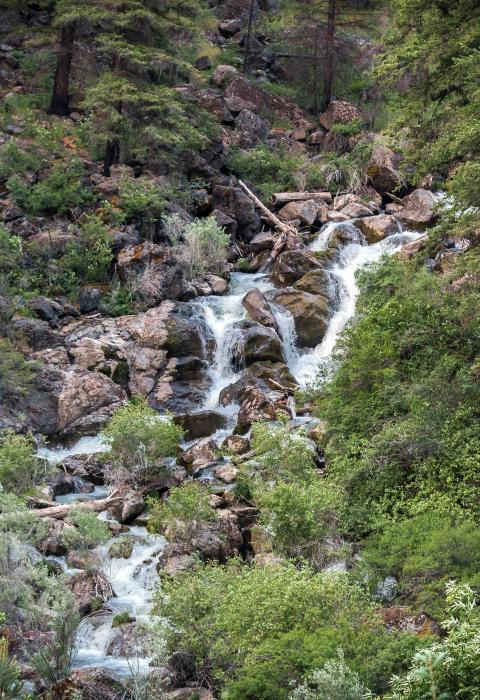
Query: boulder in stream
(201,424)
(376,228)
(310,313)
(256,343)
(291,265)
(258,309)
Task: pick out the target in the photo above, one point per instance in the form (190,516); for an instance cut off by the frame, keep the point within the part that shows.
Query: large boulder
(306,212)
(291,265)
(264,100)
(376,228)
(202,423)
(418,209)
(339,112)
(255,343)
(91,590)
(315,282)
(310,313)
(383,169)
(229,198)
(259,309)
(249,129)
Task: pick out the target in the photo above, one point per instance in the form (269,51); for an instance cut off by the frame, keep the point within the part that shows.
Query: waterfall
(351,258)
(287,332)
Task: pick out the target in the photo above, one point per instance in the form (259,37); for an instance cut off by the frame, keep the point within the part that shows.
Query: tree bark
(248,37)
(60,97)
(329,53)
(315,71)
(112,155)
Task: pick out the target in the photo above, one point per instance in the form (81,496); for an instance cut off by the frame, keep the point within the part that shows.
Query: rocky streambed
(239,358)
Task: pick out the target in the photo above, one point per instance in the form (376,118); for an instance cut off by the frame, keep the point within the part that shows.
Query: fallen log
(285,229)
(281,198)
(63,510)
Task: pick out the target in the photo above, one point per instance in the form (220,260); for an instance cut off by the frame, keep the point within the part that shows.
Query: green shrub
(349,129)
(16,373)
(423,553)
(60,191)
(464,185)
(300,517)
(448,668)
(200,246)
(269,170)
(20,468)
(88,531)
(90,258)
(15,160)
(335,681)
(255,630)
(10,682)
(186,507)
(281,454)
(141,199)
(120,301)
(139,437)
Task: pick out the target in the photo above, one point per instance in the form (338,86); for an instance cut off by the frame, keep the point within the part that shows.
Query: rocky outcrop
(418,209)
(201,423)
(91,589)
(255,343)
(310,313)
(291,265)
(258,309)
(339,112)
(376,228)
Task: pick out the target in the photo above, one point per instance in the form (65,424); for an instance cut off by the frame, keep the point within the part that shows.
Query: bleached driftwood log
(63,510)
(281,198)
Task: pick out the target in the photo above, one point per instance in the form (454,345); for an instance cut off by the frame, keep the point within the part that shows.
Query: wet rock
(61,483)
(310,313)
(226,473)
(256,343)
(258,309)
(256,405)
(127,641)
(199,454)
(121,548)
(91,589)
(291,265)
(201,424)
(175,558)
(410,250)
(344,234)
(88,467)
(264,240)
(236,444)
(82,559)
(376,228)
(314,282)
(418,209)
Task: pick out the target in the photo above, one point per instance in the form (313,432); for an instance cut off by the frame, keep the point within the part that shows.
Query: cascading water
(350,259)
(222,314)
(133,579)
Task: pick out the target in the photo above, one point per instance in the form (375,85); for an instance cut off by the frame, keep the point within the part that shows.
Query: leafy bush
(141,200)
(448,668)
(60,191)
(139,437)
(333,172)
(89,530)
(349,129)
(402,408)
(335,681)
(16,373)
(255,630)
(10,683)
(20,469)
(200,246)
(17,160)
(423,553)
(186,506)
(90,258)
(269,170)
(280,454)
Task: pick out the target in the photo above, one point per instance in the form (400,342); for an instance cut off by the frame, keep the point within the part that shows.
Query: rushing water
(133,579)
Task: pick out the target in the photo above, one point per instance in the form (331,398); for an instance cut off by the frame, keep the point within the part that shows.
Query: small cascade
(222,313)
(344,288)
(287,332)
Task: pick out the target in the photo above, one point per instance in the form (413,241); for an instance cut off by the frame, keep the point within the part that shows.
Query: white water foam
(351,258)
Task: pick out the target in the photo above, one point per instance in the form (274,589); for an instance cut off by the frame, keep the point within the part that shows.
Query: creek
(133,579)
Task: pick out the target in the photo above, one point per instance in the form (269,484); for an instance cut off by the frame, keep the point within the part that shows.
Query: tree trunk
(315,71)
(59,101)
(329,52)
(112,155)
(248,37)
